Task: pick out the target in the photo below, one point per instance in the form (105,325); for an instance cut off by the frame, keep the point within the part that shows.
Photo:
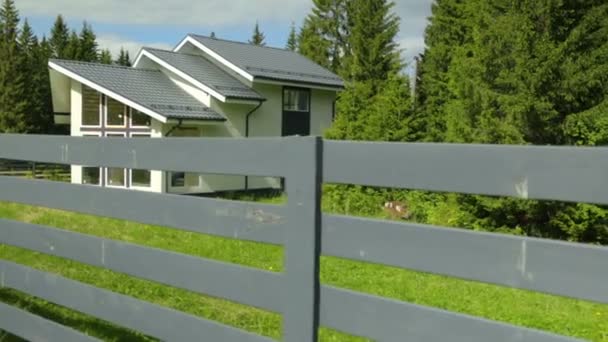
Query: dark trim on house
(302,83)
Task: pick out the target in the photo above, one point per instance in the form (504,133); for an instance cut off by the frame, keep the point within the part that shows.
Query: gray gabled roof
(207,73)
(148,88)
(271,63)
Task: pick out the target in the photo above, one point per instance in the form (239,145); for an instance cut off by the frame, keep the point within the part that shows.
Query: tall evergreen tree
(59,39)
(87,49)
(292,40)
(449,28)
(123,58)
(258,37)
(13,105)
(376,104)
(42,90)
(323,37)
(28,45)
(373,51)
(72,49)
(105,57)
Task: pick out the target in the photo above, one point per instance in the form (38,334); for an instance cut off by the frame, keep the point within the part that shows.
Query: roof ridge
(243,43)
(101,64)
(170,51)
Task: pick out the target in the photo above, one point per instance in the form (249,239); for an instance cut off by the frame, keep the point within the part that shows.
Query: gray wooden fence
(548,173)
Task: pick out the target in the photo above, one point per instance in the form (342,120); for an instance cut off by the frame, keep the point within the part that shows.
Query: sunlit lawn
(560,315)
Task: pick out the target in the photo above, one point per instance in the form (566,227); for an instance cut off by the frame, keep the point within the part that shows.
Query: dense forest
(25,94)
(493,71)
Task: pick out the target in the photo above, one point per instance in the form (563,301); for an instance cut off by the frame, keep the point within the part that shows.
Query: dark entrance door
(296,111)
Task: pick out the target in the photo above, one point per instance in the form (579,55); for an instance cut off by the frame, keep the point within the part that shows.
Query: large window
(296,100)
(139,119)
(116,177)
(140,178)
(91,113)
(115,113)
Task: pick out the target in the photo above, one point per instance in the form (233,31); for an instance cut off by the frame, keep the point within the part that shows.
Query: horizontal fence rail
(150,319)
(383,319)
(238,283)
(567,269)
(33,328)
(254,157)
(544,173)
(238,220)
(571,174)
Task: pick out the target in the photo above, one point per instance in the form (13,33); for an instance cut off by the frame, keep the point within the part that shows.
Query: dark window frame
(284,112)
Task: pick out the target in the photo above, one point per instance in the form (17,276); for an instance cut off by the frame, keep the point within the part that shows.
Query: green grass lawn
(560,315)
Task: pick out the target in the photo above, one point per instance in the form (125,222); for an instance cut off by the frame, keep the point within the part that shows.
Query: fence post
(303,232)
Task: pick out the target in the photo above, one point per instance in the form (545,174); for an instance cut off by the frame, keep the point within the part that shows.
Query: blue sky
(162,24)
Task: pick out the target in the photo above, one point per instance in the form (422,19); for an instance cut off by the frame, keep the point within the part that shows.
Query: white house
(205,87)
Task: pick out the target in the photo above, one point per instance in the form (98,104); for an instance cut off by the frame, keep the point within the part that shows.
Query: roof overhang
(108,92)
(189,40)
(262,80)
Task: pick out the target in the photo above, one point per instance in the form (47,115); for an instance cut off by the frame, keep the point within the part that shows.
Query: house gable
(256,64)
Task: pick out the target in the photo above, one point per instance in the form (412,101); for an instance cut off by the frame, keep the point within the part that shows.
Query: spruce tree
(72,49)
(105,57)
(123,58)
(292,40)
(58,41)
(258,37)
(87,49)
(28,47)
(42,90)
(324,33)
(13,104)
(373,54)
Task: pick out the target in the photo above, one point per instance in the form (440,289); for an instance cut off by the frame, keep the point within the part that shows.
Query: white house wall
(76,123)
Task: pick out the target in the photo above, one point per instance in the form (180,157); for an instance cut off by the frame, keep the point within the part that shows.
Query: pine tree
(323,37)
(258,36)
(87,49)
(59,38)
(105,57)
(292,40)
(213,35)
(13,105)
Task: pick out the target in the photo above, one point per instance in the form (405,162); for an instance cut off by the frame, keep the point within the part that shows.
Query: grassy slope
(556,314)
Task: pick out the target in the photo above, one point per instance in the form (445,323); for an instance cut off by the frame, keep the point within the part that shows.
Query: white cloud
(114,43)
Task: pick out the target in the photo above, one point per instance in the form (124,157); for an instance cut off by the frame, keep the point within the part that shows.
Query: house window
(178,179)
(116,177)
(296,100)
(115,113)
(91,175)
(296,111)
(139,119)
(91,107)
(140,178)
